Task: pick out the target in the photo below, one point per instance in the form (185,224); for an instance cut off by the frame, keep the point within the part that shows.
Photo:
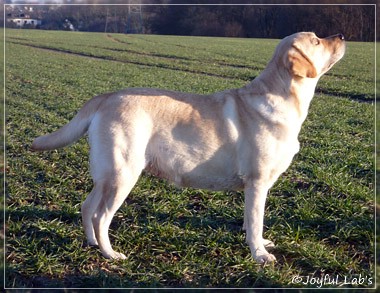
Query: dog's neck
(278,88)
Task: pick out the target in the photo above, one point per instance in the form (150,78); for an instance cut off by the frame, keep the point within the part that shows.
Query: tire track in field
(213,62)
(360,98)
(108,58)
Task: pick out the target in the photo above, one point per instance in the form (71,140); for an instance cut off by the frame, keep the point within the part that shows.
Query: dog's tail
(72,131)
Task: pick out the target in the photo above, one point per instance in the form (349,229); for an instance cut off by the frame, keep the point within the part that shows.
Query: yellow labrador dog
(239,139)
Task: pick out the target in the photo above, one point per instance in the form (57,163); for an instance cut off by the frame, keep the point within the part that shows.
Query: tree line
(356,22)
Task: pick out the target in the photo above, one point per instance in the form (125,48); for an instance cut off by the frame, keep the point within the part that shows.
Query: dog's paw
(93,243)
(120,255)
(264,258)
(115,255)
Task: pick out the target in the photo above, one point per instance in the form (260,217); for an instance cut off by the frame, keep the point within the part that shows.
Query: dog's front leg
(255,196)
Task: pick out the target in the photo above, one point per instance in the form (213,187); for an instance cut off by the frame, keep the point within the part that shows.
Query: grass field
(320,213)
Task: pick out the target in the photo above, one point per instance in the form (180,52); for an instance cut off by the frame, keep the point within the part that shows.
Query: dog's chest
(281,157)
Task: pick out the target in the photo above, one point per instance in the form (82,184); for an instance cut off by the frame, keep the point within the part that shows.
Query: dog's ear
(299,64)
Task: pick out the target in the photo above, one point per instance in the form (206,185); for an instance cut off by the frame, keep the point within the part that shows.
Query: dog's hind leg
(117,158)
(113,193)
(88,210)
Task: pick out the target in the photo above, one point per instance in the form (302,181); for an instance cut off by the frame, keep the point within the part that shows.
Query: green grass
(320,213)
(2,201)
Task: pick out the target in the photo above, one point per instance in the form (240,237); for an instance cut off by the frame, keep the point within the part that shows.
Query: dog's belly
(196,170)
(217,182)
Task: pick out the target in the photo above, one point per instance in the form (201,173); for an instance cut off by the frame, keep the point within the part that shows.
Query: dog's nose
(340,36)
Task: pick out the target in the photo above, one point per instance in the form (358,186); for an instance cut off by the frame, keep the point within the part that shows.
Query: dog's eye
(315,41)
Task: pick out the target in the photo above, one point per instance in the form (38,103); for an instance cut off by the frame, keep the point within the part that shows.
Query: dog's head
(307,56)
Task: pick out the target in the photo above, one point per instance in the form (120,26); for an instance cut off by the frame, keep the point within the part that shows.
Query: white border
(161,4)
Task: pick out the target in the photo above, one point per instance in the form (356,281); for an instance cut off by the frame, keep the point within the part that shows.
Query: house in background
(22,17)
(25,22)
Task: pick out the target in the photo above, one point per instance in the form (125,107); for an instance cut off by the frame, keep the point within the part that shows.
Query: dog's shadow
(193,213)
